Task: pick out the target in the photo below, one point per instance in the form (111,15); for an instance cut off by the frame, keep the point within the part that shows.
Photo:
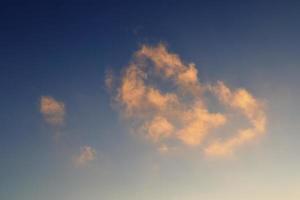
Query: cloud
(53,111)
(197,122)
(250,107)
(159,128)
(87,154)
(163,99)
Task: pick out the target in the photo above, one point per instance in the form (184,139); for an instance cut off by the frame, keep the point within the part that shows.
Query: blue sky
(63,50)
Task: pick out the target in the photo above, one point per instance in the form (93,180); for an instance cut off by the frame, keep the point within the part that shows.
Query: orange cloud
(167,63)
(159,128)
(132,90)
(250,107)
(52,110)
(197,123)
(166,101)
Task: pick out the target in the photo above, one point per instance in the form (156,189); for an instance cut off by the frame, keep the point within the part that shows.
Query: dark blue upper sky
(44,41)
(54,47)
(38,38)
(64,48)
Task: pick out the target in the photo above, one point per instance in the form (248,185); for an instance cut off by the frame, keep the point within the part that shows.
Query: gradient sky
(81,148)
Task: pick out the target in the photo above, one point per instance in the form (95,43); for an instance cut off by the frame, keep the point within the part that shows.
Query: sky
(149,100)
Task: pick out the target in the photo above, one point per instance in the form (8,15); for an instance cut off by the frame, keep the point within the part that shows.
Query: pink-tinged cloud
(163,98)
(52,110)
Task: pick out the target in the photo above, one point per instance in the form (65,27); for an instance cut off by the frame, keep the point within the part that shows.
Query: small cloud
(86,155)
(53,111)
